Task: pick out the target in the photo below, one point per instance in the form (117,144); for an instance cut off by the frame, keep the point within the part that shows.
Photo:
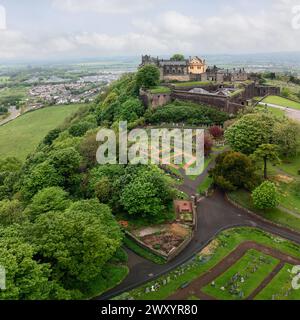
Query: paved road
(14,113)
(215,214)
(291,113)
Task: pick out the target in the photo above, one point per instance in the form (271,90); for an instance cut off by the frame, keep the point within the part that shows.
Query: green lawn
(112,276)
(291,166)
(277,112)
(132,245)
(293,88)
(20,91)
(276,215)
(205,185)
(227,242)
(21,136)
(282,102)
(4,79)
(280,288)
(193,83)
(290,195)
(243,277)
(160,89)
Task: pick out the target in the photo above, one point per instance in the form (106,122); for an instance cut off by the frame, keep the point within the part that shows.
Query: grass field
(282,102)
(205,185)
(193,83)
(292,87)
(161,89)
(21,136)
(15,91)
(4,80)
(246,280)
(290,195)
(280,288)
(277,112)
(291,166)
(278,216)
(225,243)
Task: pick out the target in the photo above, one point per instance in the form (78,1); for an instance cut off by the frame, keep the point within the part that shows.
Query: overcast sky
(88,28)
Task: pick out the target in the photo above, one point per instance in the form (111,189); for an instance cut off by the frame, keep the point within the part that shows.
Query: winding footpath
(215,214)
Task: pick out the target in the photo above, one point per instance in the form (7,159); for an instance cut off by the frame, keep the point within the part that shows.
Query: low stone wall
(144,246)
(261,91)
(155,100)
(176,251)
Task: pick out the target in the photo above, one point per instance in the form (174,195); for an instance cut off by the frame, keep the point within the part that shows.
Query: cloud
(230,30)
(104,6)
(2,18)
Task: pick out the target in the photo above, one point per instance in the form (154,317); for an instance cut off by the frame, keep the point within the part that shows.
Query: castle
(193,69)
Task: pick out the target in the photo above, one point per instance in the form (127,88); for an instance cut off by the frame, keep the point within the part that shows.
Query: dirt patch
(283,178)
(210,249)
(179,230)
(164,242)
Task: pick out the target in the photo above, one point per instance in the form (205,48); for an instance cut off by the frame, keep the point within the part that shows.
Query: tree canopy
(178,57)
(251,131)
(148,76)
(234,170)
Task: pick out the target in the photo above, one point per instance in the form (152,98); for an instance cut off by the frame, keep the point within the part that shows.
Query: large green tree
(177,57)
(42,176)
(286,136)
(234,170)
(147,194)
(27,278)
(46,200)
(77,242)
(11,212)
(148,76)
(251,131)
(266,153)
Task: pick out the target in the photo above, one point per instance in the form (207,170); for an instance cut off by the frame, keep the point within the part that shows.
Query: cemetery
(240,264)
(280,288)
(243,277)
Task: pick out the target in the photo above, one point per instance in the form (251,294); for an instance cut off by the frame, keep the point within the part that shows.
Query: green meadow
(21,136)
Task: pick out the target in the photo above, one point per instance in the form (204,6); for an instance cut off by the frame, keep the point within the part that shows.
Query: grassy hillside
(21,136)
(282,102)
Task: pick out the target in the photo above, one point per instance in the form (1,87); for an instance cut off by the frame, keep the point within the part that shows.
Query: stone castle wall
(221,103)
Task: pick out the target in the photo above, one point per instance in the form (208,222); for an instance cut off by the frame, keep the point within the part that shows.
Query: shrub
(216,132)
(265,196)
(208,144)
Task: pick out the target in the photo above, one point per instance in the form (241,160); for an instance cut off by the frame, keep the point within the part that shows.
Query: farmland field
(21,136)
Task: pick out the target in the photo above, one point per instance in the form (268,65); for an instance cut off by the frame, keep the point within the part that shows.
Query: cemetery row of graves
(240,264)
